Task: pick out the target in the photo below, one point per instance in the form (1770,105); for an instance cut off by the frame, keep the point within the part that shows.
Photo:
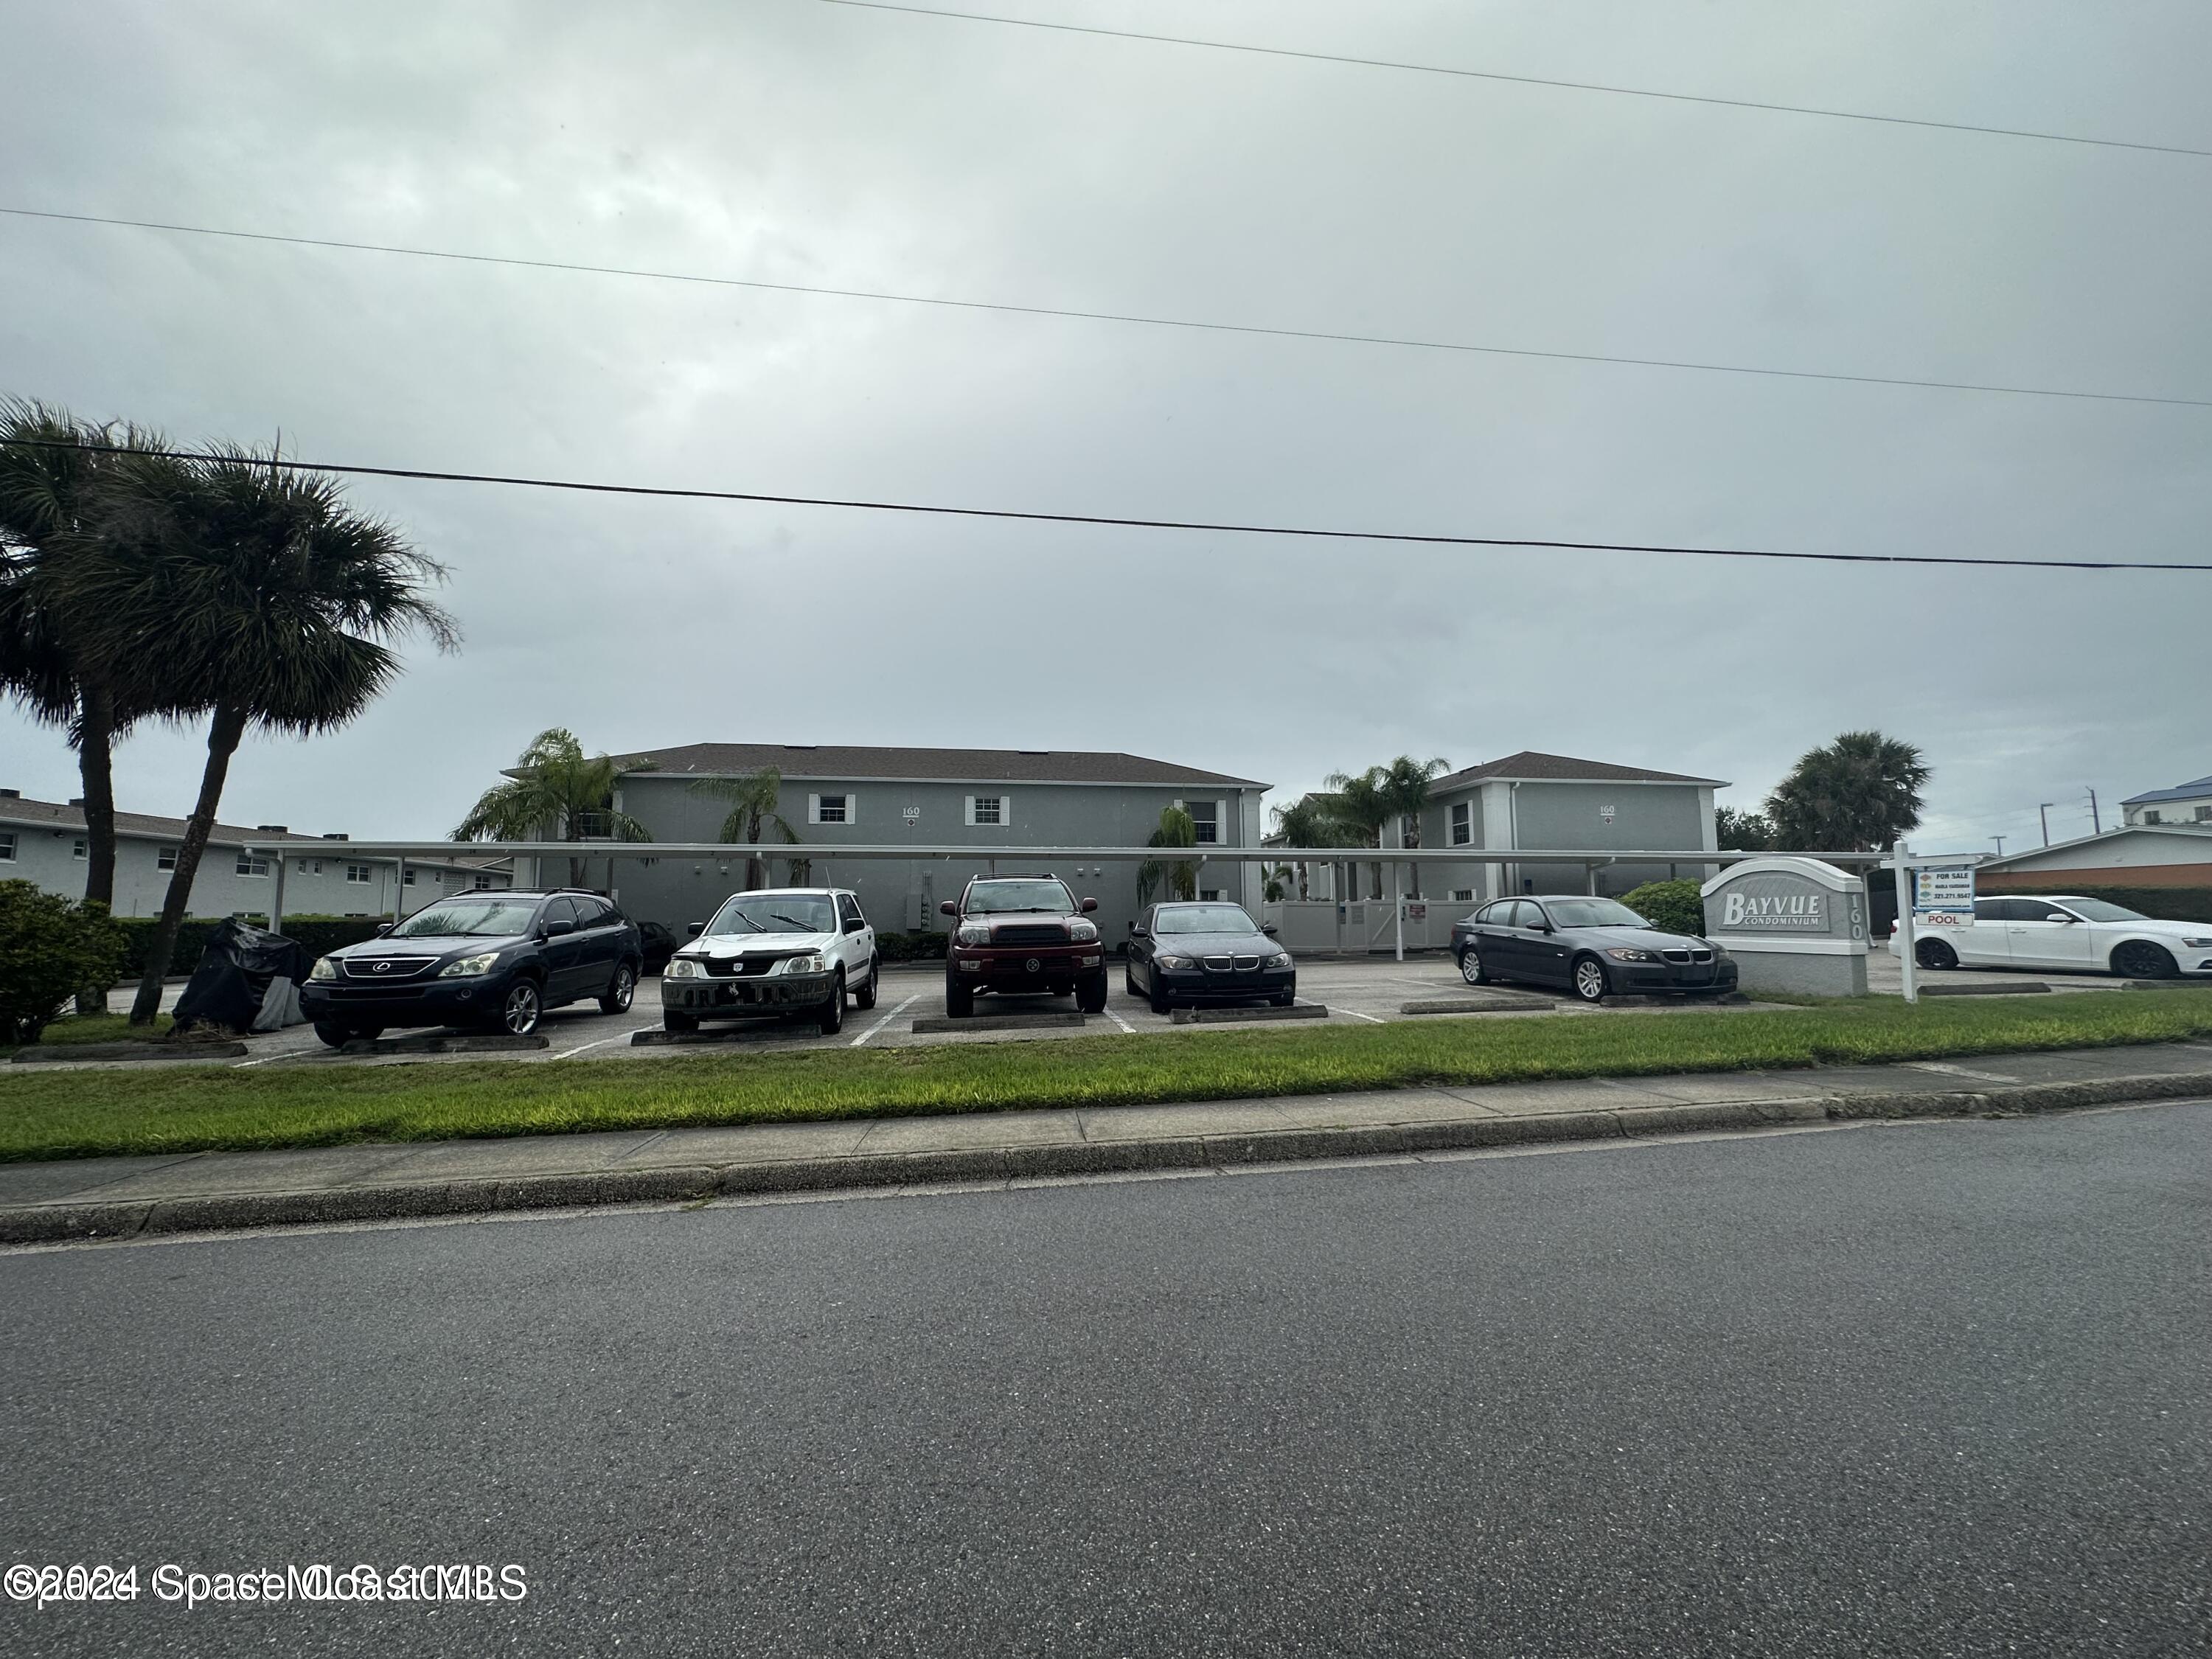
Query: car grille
(1230,964)
(740,967)
(398,968)
(1029,934)
(1679,955)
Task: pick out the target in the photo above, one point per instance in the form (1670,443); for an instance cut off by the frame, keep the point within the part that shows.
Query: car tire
(959,1001)
(2140,959)
(865,998)
(1090,992)
(622,990)
(1934,953)
(1471,969)
(521,1008)
(1160,1001)
(672,1021)
(1587,979)
(1130,981)
(333,1036)
(831,1020)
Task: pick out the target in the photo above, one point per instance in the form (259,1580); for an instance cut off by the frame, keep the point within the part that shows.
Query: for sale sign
(1943,896)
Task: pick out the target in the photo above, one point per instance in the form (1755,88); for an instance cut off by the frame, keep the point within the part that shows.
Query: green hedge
(1672,907)
(319,934)
(912,947)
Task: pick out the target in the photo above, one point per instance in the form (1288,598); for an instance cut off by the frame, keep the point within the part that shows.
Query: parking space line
(619,1037)
(884,1021)
(1340,1008)
(1128,1029)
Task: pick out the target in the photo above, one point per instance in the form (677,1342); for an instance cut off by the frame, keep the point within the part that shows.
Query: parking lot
(1354,991)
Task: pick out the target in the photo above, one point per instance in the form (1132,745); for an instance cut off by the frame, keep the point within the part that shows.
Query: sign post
(1938,887)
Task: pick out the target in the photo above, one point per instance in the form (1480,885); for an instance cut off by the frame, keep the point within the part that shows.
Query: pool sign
(1943,896)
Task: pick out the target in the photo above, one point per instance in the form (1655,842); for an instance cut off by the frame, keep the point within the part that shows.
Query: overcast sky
(792,140)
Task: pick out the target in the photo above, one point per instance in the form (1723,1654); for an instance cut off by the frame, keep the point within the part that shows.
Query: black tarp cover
(247,980)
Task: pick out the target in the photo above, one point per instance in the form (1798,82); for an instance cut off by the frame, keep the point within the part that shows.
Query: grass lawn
(46,1114)
(97,1028)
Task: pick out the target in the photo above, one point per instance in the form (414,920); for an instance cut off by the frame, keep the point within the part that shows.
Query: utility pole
(2000,841)
(2043,811)
(2096,822)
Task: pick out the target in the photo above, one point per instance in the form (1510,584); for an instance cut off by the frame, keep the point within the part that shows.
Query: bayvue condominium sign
(1778,913)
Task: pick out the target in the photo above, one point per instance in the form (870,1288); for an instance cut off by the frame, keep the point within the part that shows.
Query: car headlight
(324,968)
(1171,964)
(683,968)
(973,933)
(1629,953)
(469,967)
(2198,943)
(1082,932)
(810,964)
(1720,955)
(1280,959)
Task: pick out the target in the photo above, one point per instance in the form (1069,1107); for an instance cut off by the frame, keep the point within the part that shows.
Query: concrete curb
(59,1223)
(1247,1016)
(63,1053)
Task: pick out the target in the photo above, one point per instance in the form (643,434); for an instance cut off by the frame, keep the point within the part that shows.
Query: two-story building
(44,841)
(2188,803)
(984,799)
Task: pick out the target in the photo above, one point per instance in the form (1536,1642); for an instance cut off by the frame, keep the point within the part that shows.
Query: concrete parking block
(1232,1016)
(2010,989)
(80,1053)
(998,1022)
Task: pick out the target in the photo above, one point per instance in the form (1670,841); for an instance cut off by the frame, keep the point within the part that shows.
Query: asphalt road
(1933,1389)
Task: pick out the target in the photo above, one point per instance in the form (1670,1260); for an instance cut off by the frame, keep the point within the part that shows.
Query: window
(1462,823)
(2204,815)
(2035,910)
(986,809)
(165,858)
(1989,909)
(357,874)
(1462,895)
(1205,820)
(77,847)
(6,846)
(832,809)
(849,911)
(2152,817)
(250,863)
(1526,914)
(1211,895)
(483,884)
(408,879)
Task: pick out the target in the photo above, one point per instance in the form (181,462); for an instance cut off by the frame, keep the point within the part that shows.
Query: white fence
(1360,927)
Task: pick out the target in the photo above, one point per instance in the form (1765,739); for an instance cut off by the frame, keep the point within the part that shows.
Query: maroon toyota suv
(1019,935)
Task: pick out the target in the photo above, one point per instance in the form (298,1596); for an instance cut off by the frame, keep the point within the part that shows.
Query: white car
(772,954)
(2069,934)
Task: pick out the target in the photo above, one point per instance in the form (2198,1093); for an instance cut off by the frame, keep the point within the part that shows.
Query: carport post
(276,899)
(398,889)
(1589,879)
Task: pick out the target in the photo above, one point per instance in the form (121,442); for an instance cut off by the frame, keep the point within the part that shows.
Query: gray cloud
(793,142)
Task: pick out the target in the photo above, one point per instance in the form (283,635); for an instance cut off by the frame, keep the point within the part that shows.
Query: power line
(1526,80)
(1214,526)
(1070,312)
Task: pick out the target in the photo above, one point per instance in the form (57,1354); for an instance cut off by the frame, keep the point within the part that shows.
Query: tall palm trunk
(96,754)
(225,732)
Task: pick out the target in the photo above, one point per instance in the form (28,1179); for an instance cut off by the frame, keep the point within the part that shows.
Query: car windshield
(987,898)
(2098,910)
(1203,919)
(1592,912)
(469,918)
(776,913)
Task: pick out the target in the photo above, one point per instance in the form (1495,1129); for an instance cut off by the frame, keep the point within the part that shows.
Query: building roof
(1531,766)
(2198,833)
(860,761)
(55,814)
(2196,791)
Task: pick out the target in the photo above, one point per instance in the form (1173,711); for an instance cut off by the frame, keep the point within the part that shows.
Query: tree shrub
(1672,907)
(319,934)
(51,948)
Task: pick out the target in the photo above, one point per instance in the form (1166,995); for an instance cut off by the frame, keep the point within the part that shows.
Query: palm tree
(1177,829)
(54,474)
(1404,791)
(1857,795)
(230,585)
(555,792)
(752,799)
(1312,820)
(1738,831)
(1364,807)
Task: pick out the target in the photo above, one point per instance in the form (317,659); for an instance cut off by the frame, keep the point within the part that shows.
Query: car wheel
(621,993)
(1589,979)
(1129,979)
(1934,953)
(959,1001)
(2138,959)
(521,1008)
(1471,969)
(865,998)
(832,1019)
(334,1036)
(1160,1002)
(672,1021)
(1091,994)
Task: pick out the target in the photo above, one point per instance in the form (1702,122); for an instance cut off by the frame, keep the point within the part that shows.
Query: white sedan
(2080,935)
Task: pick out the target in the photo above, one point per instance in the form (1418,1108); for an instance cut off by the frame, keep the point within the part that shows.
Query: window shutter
(1221,824)
(852,807)
(971,811)
(814,809)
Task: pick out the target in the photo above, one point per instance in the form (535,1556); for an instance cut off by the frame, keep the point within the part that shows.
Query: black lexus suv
(494,960)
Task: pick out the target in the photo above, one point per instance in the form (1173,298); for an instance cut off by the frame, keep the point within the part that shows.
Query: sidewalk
(109,1198)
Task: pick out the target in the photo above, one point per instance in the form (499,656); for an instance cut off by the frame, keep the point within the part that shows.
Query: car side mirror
(1089,905)
(554,929)
(948,909)
(1269,929)
(693,929)
(382,928)
(1540,926)
(854,924)
(1137,930)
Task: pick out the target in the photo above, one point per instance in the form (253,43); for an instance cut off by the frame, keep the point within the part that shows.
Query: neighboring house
(44,841)
(2188,803)
(2134,856)
(980,798)
(1558,803)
